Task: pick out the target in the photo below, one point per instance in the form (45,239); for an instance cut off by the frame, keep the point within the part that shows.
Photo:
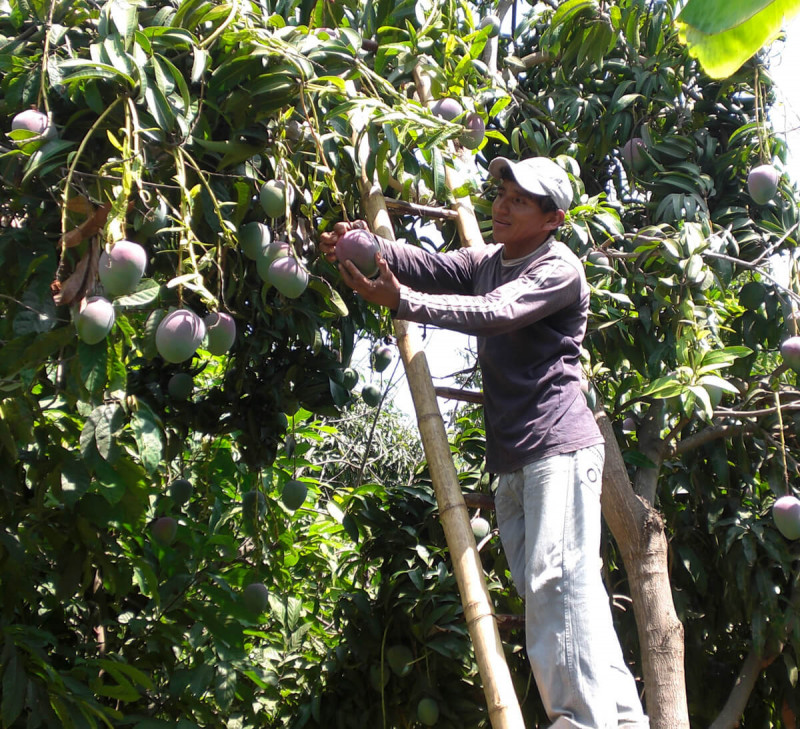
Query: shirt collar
(531,256)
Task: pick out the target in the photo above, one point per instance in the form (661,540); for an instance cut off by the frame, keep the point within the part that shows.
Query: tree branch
(475,500)
(651,445)
(426,211)
(756,662)
(757,413)
(454,393)
(709,435)
(534,59)
(731,713)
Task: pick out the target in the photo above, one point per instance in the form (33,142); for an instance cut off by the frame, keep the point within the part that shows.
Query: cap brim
(497,165)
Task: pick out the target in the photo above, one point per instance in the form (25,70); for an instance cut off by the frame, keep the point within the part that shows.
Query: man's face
(517,220)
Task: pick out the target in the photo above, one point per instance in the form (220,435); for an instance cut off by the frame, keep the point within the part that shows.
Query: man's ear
(554,219)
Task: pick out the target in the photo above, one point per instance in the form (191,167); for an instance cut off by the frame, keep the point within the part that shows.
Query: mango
(122,267)
(360,247)
(179,335)
(288,276)
(95,319)
(221,330)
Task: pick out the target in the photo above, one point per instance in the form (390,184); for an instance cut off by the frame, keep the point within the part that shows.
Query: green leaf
(330,294)
(718,382)
(702,402)
(14,688)
(93,360)
(40,317)
(123,15)
(294,608)
(188,12)
(624,102)
(32,350)
(724,357)
(147,433)
(350,525)
(75,481)
(174,39)
(201,59)
(7,437)
(203,675)
(159,108)
(640,460)
(112,51)
(47,158)
(146,295)
(149,334)
(177,79)
(663,387)
(571,8)
(84,70)
(122,671)
(723,34)
(145,579)
(101,428)
(339,394)
(437,165)
(225,685)
(119,479)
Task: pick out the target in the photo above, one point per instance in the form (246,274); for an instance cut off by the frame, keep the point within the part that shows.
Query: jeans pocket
(591,469)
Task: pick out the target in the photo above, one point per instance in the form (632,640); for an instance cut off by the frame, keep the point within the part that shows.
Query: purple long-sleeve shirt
(529,317)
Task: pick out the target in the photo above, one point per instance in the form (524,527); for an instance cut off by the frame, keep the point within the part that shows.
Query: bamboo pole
(501,699)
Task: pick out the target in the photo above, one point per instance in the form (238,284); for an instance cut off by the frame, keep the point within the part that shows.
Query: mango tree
(219,138)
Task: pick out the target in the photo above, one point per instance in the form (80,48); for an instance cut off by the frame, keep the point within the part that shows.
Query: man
(526,300)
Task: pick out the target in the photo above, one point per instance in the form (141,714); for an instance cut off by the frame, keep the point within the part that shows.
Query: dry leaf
(80,281)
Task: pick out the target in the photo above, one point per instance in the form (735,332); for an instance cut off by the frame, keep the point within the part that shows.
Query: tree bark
(639,532)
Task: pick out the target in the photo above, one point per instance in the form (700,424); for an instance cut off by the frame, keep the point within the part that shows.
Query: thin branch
(709,435)
(454,393)
(752,266)
(363,466)
(42,314)
(427,211)
(475,500)
(725,413)
(534,59)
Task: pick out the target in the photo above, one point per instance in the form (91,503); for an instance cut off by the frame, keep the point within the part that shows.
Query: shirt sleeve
(430,273)
(539,292)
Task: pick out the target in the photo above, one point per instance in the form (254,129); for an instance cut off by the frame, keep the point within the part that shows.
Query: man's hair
(545,202)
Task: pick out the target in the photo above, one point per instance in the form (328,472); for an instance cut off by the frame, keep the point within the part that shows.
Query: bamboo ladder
(501,699)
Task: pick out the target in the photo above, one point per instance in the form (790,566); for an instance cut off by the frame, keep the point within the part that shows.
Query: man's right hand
(327,241)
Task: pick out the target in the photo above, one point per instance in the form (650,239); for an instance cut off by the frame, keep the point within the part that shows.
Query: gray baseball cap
(537,175)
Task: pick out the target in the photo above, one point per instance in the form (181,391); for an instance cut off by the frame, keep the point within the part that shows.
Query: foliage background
(172,116)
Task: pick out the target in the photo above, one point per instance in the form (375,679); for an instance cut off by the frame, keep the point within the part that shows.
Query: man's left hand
(383,290)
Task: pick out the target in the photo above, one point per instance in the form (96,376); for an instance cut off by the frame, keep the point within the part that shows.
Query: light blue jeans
(548,514)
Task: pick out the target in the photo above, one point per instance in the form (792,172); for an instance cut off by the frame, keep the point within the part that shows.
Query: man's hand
(328,241)
(383,290)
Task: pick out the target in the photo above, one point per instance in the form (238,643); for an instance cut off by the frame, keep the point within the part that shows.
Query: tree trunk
(639,532)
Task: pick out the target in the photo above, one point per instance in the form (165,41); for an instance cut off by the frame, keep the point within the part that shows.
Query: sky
(785,116)
(445,350)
